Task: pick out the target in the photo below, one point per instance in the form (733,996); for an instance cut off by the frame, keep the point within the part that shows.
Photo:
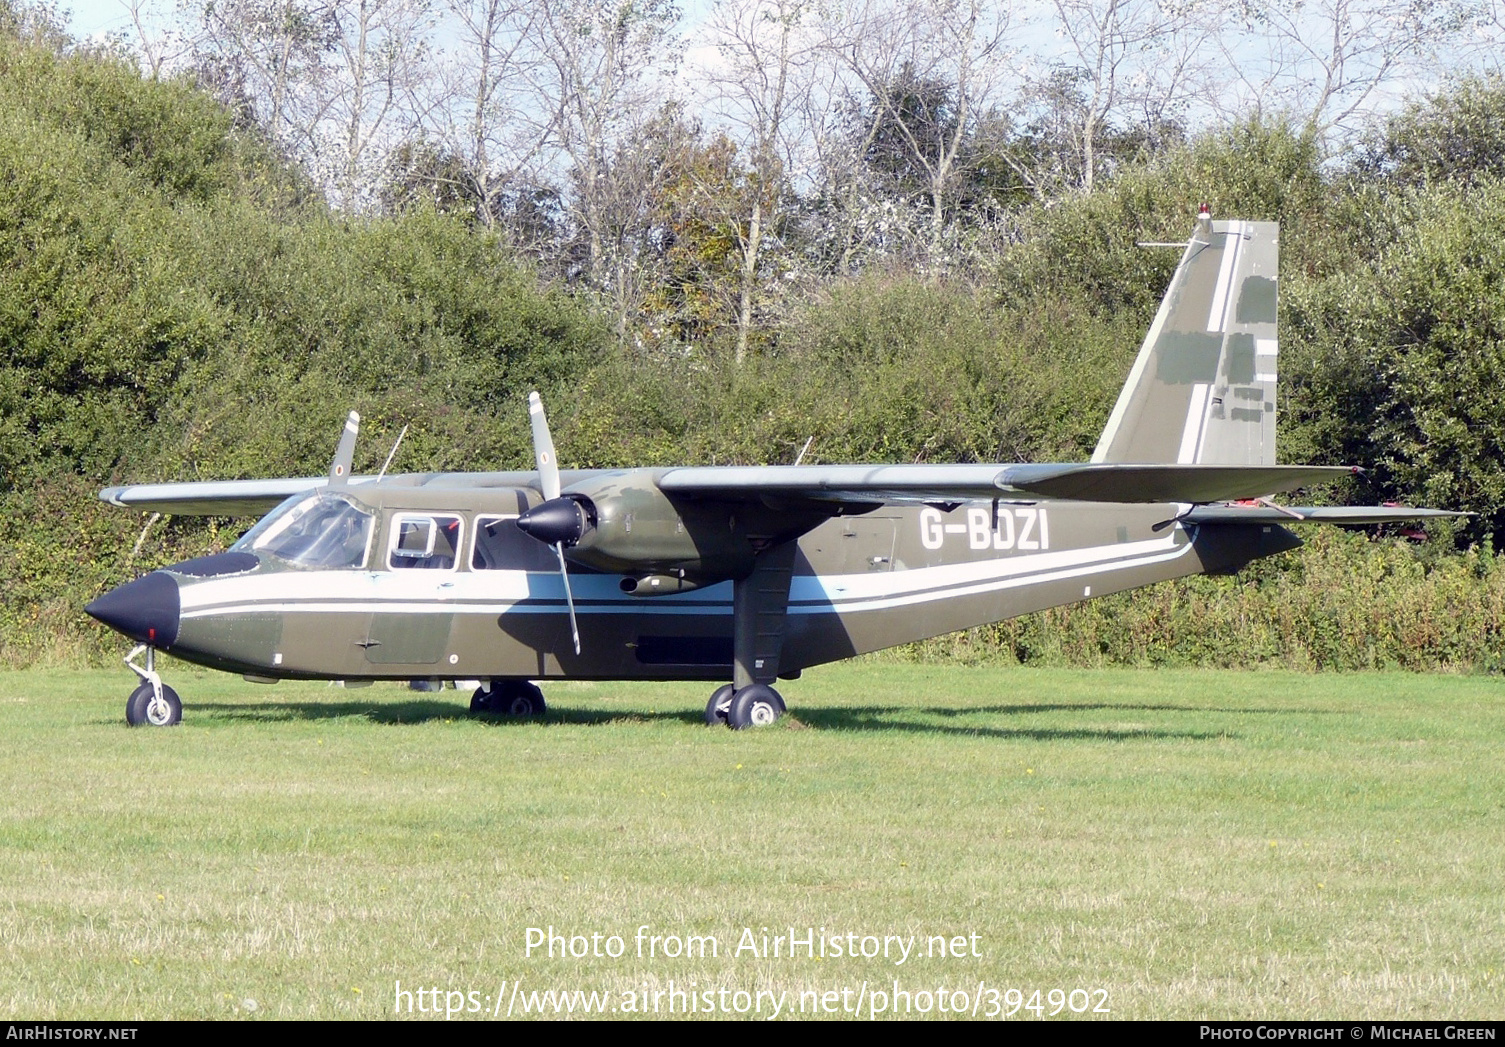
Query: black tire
(517,698)
(757,705)
(139,712)
(481,701)
(529,693)
(539,705)
(720,703)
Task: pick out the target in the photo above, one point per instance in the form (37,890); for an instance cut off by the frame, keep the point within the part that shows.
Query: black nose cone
(555,521)
(146,610)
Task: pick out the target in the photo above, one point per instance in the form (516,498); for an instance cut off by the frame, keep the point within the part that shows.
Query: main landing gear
(759,605)
(756,705)
(509,697)
(153,702)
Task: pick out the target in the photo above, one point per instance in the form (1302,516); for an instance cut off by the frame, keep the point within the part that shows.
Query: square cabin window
(424,542)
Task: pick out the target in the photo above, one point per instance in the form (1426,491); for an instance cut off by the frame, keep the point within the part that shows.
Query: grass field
(1176,844)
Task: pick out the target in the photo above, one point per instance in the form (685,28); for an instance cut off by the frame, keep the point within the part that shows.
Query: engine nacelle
(635,529)
(622,523)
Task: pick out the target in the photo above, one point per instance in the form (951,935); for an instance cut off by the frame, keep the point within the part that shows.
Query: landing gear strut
(759,602)
(509,697)
(153,702)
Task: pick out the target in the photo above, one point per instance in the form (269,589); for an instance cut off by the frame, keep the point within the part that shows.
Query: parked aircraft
(740,575)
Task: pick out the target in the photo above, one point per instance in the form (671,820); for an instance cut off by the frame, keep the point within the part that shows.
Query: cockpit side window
(421,542)
(500,546)
(324,531)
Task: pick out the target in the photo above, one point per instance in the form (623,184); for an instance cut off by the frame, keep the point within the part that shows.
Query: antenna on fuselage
(344,454)
(391,454)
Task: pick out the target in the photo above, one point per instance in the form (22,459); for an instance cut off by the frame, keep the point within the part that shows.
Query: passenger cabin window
(500,546)
(424,542)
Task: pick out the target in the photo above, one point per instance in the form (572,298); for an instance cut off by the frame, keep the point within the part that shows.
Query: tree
(335,81)
(1332,63)
(1455,135)
(264,59)
(1122,63)
(766,86)
(927,72)
(380,47)
(479,110)
(598,87)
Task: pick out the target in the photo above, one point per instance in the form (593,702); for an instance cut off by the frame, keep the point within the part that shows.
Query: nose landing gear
(153,703)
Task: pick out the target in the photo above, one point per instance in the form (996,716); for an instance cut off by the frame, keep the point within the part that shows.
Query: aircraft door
(867,544)
(413,615)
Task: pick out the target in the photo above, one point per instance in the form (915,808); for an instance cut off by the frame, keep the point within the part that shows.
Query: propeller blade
(557,518)
(344,454)
(569,597)
(543,449)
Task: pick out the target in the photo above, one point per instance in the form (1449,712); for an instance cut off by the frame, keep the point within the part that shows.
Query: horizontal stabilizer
(1355,515)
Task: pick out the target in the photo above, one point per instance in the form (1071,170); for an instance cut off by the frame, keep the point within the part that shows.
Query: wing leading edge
(829,485)
(212,497)
(1077,481)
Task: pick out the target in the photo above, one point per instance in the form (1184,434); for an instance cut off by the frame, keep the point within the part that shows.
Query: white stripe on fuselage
(503,592)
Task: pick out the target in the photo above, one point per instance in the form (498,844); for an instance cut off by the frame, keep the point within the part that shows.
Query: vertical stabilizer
(1202,389)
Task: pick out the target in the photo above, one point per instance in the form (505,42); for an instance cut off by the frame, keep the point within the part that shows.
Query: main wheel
(517,698)
(757,705)
(143,708)
(480,702)
(719,705)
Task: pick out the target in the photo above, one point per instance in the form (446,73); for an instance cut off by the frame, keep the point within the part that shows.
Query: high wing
(258,497)
(826,485)
(1080,481)
(213,497)
(1194,425)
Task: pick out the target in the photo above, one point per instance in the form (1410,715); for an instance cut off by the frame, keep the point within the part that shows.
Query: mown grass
(1198,843)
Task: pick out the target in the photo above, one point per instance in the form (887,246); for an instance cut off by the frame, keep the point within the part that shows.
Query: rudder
(1202,389)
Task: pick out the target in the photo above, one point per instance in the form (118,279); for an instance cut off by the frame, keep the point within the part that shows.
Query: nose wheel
(152,704)
(145,708)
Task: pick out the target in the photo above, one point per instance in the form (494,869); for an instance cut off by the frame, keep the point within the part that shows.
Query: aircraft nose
(146,610)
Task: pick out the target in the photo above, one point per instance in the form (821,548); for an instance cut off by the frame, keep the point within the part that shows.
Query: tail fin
(1202,389)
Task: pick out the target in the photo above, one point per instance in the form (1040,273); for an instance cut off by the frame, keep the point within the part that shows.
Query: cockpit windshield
(323,530)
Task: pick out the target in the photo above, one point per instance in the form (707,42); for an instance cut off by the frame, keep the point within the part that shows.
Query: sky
(95,17)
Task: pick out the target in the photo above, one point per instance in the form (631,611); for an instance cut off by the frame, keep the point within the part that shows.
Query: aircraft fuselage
(447,587)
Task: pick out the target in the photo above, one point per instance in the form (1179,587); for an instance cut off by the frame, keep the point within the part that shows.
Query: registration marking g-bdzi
(1024,527)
